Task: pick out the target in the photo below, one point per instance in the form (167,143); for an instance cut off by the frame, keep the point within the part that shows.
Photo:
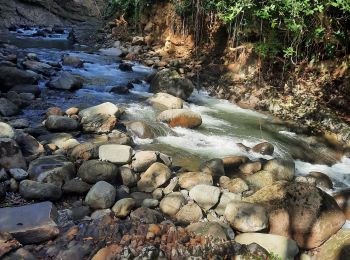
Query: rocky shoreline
(63,197)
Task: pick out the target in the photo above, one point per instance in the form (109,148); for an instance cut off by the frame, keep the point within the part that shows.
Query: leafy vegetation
(290,29)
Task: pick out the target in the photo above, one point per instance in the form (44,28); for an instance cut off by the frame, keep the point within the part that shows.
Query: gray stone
(172,203)
(8,108)
(31,89)
(139,197)
(30,147)
(38,67)
(155,176)
(104,108)
(225,199)
(18,174)
(140,129)
(55,169)
(114,153)
(144,159)
(145,216)
(12,76)
(93,171)
(72,61)
(61,123)
(128,177)
(98,123)
(263,148)
(150,203)
(101,195)
(11,155)
(206,196)
(190,213)
(246,217)
(19,123)
(39,191)
(98,214)
(76,187)
(164,101)
(30,224)
(65,81)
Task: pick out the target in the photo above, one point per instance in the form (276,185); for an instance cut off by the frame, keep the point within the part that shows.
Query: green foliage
(133,8)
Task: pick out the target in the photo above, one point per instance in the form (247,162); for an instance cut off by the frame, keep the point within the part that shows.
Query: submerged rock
(72,61)
(140,129)
(30,224)
(264,148)
(180,117)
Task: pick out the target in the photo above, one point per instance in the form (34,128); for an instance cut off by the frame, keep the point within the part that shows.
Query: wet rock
(12,76)
(343,200)
(158,194)
(85,151)
(99,123)
(72,61)
(321,180)
(150,203)
(125,66)
(205,196)
(72,111)
(3,175)
(30,224)
(20,253)
(18,174)
(55,169)
(118,137)
(246,217)
(76,187)
(3,189)
(264,148)
(190,179)
(282,169)
(128,177)
(155,176)
(106,108)
(225,199)
(33,190)
(61,123)
(7,108)
(38,67)
(213,230)
(165,101)
(30,147)
(180,117)
(19,123)
(55,138)
(300,211)
(214,167)
(190,213)
(337,247)
(123,207)
(65,81)
(140,129)
(236,185)
(94,171)
(54,111)
(145,215)
(31,89)
(250,168)
(111,52)
(101,213)
(172,203)
(260,179)
(114,153)
(11,155)
(280,246)
(169,81)
(142,160)
(6,131)
(101,196)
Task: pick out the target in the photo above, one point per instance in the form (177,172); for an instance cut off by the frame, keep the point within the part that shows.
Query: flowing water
(224,124)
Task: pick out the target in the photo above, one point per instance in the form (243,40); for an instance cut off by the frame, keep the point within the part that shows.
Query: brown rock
(190,179)
(343,200)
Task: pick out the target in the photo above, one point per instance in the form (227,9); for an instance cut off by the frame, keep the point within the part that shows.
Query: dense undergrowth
(293,30)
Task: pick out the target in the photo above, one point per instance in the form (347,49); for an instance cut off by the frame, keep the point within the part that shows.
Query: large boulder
(104,108)
(30,224)
(180,117)
(94,171)
(54,169)
(61,123)
(101,196)
(246,217)
(8,108)
(65,81)
(11,155)
(72,61)
(140,129)
(98,123)
(32,190)
(281,247)
(190,179)
(205,196)
(300,211)
(155,176)
(165,101)
(115,153)
(12,76)
(38,67)
(169,81)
